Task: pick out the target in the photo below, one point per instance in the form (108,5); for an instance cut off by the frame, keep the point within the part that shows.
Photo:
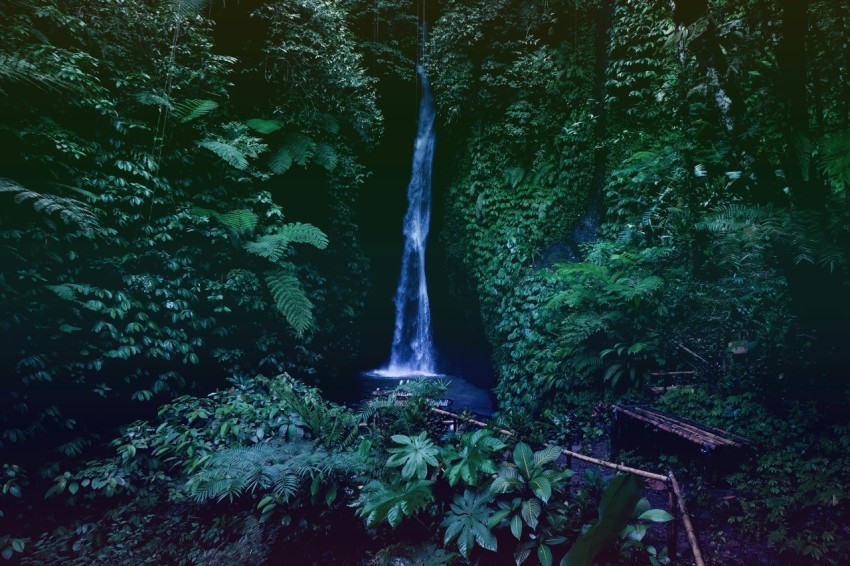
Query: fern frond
(335,427)
(151,99)
(71,211)
(243,220)
(274,246)
(67,291)
(193,108)
(327,122)
(280,161)
(16,69)
(326,156)
(264,126)
(290,299)
(226,152)
(299,147)
(301,233)
(835,161)
(281,468)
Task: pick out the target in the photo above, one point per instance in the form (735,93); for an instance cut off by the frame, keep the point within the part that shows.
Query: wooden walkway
(707,437)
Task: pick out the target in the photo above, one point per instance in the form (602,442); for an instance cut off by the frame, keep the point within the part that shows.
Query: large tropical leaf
(524,459)
(380,502)
(414,455)
(468,520)
(473,459)
(615,510)
(509,479)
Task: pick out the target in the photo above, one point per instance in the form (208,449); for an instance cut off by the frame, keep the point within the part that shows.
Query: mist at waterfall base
(458,349)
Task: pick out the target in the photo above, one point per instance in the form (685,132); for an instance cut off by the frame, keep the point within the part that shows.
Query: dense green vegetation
(633,193)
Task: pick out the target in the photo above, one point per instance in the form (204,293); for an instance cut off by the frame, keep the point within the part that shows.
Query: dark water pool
(461,392)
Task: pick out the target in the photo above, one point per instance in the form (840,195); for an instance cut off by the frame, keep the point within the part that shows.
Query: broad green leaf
(546,455)
(541,487)
(544,554)
(656,516)
(524,458)
(516,527)
(615,510)
(413,456)
(530,512)
(468,521)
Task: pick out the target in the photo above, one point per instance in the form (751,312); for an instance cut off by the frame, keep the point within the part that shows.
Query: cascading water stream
(413,348)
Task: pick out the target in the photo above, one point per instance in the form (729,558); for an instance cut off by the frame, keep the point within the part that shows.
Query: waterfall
(413,348)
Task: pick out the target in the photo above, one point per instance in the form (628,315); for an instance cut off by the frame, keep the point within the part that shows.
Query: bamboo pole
(686,521)
(568,453)
(673,527)
(691,352)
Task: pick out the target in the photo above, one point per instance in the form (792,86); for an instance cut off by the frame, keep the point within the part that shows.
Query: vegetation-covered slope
(638,192)
(706,145)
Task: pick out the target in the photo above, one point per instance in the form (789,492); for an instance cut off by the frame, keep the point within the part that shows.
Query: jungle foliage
(650,187)
(150,163)
(640,193)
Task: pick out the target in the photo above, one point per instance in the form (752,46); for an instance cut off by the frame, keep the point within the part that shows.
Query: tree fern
(227,152)
(290,299)
(193,108)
